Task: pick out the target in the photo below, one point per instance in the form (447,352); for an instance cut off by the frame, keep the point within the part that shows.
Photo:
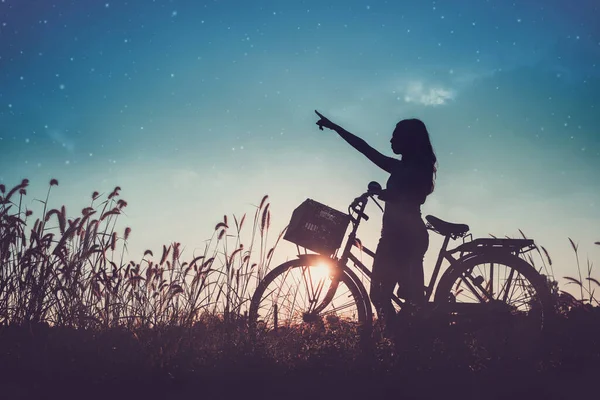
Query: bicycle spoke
(507,284)
(308,282)
(472,289)
(335,310)
(491,281)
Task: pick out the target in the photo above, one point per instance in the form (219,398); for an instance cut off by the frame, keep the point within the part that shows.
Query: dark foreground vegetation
(215,358)
(78,321)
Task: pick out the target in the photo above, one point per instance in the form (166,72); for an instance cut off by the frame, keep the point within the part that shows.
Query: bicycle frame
(359,206)
(353,241)
(472,249)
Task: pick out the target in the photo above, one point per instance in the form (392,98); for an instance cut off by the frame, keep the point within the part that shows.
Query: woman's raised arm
(384,162)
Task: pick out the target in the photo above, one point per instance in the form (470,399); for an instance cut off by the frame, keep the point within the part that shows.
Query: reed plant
(586,283)
(73,272)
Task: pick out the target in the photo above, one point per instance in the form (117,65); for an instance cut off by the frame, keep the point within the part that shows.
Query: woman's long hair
(418,145)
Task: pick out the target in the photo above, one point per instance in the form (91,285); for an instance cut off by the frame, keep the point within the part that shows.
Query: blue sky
(197,109)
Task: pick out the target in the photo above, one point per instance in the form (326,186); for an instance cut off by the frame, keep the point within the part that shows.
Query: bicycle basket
(317,227)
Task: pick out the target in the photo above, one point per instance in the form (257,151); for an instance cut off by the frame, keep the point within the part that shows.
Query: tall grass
(587,284)
(71,271)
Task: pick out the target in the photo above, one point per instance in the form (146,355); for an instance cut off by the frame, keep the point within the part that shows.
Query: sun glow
(322,272)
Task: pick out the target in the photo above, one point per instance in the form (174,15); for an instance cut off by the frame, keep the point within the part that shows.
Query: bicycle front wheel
(313,295)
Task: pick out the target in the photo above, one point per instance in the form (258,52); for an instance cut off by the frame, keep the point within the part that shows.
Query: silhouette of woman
(404,238)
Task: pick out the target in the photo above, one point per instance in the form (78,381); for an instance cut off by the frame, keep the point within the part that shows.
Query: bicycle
(481,281)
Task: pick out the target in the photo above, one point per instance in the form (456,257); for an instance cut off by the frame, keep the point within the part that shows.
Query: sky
(197,109)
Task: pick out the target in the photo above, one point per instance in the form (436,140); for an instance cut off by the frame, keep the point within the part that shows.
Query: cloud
(417,92)
(387,96)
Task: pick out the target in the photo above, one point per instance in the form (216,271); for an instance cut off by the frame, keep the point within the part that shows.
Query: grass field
(79,320)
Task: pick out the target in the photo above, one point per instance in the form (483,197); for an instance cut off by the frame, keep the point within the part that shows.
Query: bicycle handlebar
(359,203)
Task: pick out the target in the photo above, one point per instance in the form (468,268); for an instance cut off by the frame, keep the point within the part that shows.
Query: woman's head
(411,139)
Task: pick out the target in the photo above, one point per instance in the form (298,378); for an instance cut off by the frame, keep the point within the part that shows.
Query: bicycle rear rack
(516,246)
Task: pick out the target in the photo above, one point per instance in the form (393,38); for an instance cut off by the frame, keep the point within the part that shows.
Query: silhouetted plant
(71,272)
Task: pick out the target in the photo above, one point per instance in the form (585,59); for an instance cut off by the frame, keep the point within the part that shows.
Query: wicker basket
(317,227)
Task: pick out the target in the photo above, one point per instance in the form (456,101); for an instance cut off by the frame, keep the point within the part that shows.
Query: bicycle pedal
(478,280)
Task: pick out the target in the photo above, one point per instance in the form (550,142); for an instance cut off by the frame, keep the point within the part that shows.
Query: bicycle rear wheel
(310,297)
(496,290)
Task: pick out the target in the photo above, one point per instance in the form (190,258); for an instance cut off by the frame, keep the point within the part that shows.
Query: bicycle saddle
(447,228)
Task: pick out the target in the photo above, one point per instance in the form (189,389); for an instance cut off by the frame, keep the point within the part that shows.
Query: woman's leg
(383,279)
(415,285)
(410,265)
(399,259)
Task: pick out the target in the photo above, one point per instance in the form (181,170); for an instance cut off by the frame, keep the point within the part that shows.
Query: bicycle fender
(319,258)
